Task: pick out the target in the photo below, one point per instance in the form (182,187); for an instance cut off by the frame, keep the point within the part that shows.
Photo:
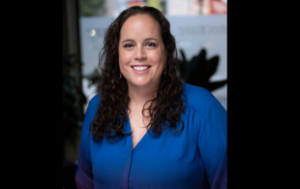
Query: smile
(140,68)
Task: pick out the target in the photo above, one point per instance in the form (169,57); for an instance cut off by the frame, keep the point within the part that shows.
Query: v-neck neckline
(141,141)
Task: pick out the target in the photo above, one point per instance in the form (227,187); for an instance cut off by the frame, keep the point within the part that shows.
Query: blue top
(196,157)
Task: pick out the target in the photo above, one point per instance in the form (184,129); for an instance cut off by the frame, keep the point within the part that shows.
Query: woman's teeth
(141,68)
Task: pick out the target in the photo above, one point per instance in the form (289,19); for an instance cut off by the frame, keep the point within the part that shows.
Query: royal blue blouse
(196,157)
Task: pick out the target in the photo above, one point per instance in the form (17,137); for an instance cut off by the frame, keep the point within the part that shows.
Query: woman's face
(142,54)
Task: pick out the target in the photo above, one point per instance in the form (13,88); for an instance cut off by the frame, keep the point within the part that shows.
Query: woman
(146,129)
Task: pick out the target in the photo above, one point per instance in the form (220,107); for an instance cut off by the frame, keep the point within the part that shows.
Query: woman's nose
(140,54)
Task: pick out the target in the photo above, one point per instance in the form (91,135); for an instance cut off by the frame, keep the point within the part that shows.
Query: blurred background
(200,30)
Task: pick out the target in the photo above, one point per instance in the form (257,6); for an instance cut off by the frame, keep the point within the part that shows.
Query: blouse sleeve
(212,142)
(84,174)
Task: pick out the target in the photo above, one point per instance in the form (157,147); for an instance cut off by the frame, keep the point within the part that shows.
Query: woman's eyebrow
(128,40)
(131,40)
(150,39)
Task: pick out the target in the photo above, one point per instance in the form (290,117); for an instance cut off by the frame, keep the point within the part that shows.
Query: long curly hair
(165,109)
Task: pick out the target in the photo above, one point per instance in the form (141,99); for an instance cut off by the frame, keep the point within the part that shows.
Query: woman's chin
(140,84)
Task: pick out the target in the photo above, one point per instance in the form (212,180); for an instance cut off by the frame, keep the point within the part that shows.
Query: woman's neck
(140,95)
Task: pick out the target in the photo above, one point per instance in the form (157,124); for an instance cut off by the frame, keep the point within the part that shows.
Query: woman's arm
(212,141)
(84,174)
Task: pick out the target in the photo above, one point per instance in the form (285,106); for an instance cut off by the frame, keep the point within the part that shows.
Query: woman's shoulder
(94,103)
(196,92)
(197,97)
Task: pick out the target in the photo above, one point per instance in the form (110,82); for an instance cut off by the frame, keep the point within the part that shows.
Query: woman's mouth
(141,68)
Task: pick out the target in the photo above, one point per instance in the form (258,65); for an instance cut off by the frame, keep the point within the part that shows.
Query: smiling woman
(142,54)
(145,128)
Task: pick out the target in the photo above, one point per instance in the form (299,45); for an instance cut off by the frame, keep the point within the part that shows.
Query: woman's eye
(151,45)
(128,45)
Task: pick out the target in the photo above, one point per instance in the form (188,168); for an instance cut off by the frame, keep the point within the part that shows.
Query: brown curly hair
(164,110)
